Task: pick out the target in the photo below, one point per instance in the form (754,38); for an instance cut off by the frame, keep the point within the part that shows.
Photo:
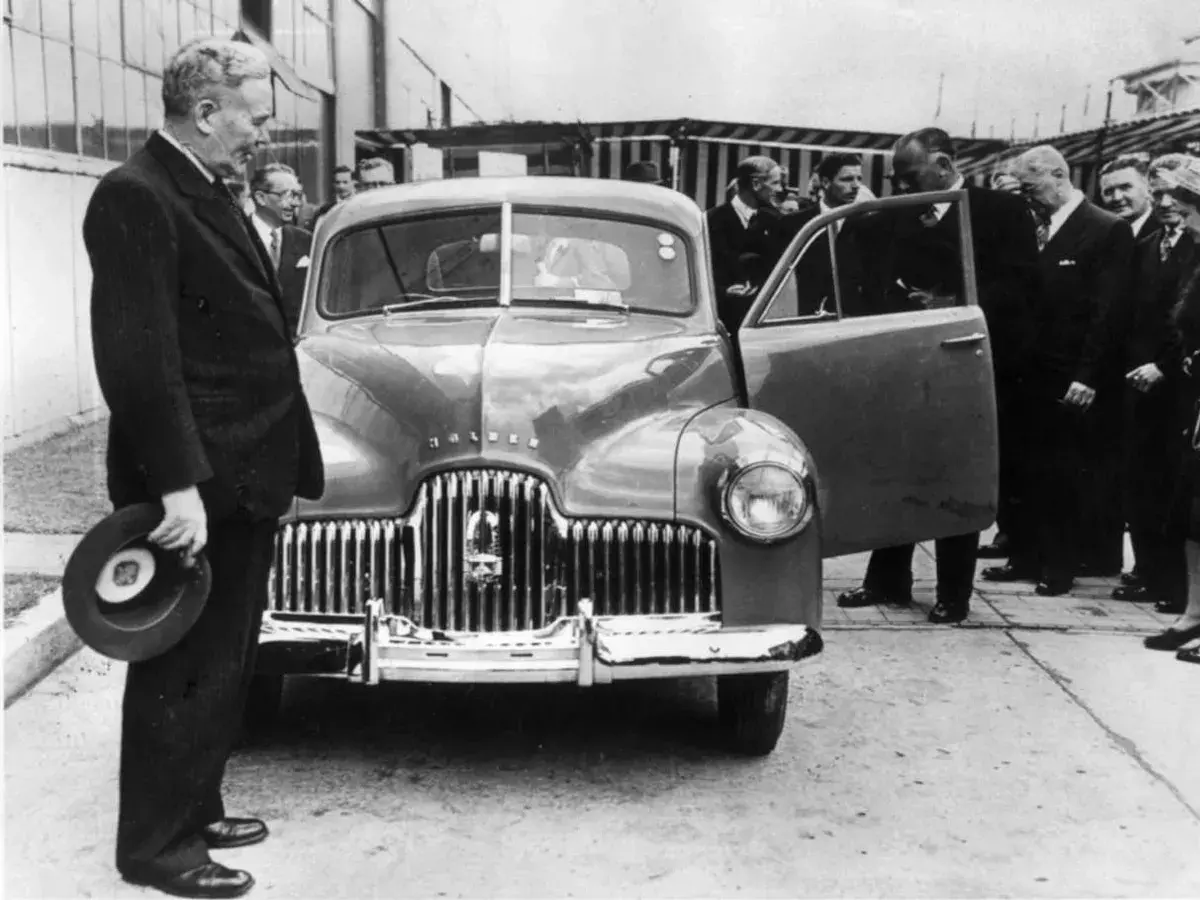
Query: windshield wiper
(574,303)
(419,301)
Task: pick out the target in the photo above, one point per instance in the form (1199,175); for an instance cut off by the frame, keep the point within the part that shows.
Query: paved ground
(1041,751)
(40,554)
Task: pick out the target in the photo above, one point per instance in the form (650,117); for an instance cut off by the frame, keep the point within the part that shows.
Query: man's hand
(1079,395)
(184,526)
(1144,377)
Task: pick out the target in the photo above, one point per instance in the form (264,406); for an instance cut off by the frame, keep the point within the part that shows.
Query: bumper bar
(580,649)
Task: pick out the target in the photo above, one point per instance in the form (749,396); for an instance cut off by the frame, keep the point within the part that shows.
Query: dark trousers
(182,710)
(1050,485)
(1152,484)
(890,569)
(1101,543)
(1008,412)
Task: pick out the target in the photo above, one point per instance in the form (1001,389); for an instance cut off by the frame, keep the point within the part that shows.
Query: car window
(447,256)
(906,259)
(577,258)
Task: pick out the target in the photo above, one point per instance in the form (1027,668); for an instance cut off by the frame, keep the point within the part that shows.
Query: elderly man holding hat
(210,428)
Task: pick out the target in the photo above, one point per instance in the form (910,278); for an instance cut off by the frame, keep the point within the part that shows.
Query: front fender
(761,584)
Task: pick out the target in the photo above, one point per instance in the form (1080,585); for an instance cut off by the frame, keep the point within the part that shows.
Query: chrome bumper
(581,649)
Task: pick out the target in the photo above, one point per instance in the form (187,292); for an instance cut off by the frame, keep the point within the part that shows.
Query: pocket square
(1066,262)
(303,263)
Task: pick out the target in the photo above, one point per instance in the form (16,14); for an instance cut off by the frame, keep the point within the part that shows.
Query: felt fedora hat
(127,598)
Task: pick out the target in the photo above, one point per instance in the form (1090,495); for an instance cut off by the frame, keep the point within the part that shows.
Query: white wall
(45,328)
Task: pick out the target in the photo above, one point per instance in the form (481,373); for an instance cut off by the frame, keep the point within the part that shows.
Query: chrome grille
(427,565)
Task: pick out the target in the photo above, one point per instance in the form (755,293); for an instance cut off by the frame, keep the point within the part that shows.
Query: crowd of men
(1077,297)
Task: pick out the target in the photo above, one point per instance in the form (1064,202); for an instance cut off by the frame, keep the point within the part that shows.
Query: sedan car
(548,461)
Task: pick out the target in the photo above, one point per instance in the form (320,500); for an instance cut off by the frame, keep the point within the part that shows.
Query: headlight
(767,501)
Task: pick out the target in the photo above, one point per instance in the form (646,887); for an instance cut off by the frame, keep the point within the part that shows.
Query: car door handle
(965,340)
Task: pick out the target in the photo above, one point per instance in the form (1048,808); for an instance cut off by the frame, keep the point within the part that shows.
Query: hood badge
(493,437)
(483,563)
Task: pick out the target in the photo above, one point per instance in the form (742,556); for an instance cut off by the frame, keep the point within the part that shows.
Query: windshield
(453,257)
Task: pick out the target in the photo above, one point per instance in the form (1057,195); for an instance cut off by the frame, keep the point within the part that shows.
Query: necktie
(1166,245)
(1043,233)
(275,247)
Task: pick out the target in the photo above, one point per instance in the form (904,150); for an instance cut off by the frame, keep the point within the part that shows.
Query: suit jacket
(1145,320)
(294,248)
(193,351)
(728,240)
(1085,271)
(1006,267)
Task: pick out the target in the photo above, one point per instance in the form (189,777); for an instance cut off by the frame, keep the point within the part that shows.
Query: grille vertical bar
(523,566)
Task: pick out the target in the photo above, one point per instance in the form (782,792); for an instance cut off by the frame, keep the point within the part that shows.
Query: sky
(858,64)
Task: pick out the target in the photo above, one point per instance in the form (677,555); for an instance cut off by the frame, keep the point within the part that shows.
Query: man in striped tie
(277,195)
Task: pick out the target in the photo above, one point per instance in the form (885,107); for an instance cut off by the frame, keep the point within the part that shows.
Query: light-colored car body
(529,491)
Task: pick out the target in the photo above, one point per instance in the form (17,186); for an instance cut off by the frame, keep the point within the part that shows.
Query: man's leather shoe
(1053,587)
(1172,638)
(865,596)
(1191,654)
(1007,573)
(209,880)
(1133,593)
(229,833)
(1170,607)
(1132,579)
(944,613)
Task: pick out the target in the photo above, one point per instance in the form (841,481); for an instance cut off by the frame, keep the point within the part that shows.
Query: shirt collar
(745,213)
(1140,222)
(265,228)
(940,209)
(195,160)
(1060,215)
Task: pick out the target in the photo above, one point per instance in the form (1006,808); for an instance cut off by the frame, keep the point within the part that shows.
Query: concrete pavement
(37,554)
(967,762)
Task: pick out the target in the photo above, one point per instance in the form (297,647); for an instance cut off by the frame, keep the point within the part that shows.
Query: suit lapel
(1068,235)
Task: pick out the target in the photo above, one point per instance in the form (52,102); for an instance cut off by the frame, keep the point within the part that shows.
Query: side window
(904,258)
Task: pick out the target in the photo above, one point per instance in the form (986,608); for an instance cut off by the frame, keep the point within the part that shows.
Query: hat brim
(156,615)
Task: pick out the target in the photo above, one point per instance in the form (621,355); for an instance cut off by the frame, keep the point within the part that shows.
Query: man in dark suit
(1084,267)
(1163,258)
(759,186)
(276,192)
(343,189)
(925,269)
(195,360)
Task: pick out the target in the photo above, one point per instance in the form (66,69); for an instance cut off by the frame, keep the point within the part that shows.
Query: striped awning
(1155,134)
(742,133)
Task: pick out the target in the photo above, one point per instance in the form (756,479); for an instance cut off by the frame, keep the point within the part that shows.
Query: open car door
(868,342)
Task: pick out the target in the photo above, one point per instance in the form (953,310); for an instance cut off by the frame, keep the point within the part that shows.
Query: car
(547,460)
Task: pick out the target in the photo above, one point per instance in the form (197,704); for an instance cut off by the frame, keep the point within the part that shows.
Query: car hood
(593,402)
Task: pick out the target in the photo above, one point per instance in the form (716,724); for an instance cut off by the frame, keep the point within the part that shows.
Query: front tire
(752,710)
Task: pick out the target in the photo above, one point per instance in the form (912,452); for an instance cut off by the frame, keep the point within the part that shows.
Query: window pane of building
(203,19)
(109,14)
(134,21)
(187,22)
(356,67)
(87,25)
(135,107)
(112,82)
(60,97)
(31,89)
(283,28)
(154,35)
(170,28)
(154,105)
(8,111)
(56,19)
(316,46)
(225,12)
(91,108)
(323,8)
(25,15)
(310,163)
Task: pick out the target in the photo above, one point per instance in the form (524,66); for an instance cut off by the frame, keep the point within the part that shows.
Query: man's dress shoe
(997,549)
(865,596)
(1172,638)
(1053,587)
(209,880)
(1191,654)
(1007,572)
(944,613)
(230,832)
(1170,607)
(1132,579)
(1133,593)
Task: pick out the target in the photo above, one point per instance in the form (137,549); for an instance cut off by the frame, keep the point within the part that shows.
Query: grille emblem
(482,560)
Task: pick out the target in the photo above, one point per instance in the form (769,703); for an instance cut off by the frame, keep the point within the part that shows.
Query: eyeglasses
(287,195)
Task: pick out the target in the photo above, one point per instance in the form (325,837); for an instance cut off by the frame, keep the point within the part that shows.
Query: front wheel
(752,710)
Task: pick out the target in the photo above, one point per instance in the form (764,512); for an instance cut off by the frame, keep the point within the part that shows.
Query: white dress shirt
(940,209)
(1140,222)
(1063,213)
(265,232)
(745,213)
(201,167)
